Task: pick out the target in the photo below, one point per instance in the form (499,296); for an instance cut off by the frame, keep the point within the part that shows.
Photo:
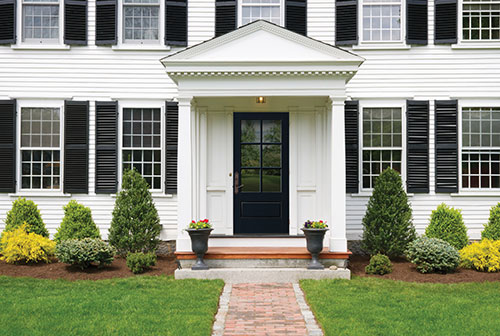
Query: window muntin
(481,20)
(253,10)
(142,143)
(40,148)
(381,21)
(141,20)
(40,20)
(480,148)
(382,142)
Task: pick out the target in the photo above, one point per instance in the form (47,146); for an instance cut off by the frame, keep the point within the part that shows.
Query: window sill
(484,193)
(381,46)
(140,47)
(40,47)
(369,193)
(476,45)
(154,195)
(39,194)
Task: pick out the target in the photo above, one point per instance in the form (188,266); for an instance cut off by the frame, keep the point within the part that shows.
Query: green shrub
(447,224)
(433,255)
(388,226)
(135,226)
(379,264)
(77,223)
(482,256)
(20,246)
(25,211)
(492,229)
(85,252)
(139,262)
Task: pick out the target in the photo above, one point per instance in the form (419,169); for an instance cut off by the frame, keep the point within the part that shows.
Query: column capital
(185,100)
(337,100)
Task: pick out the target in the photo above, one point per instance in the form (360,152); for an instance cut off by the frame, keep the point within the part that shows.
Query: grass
(133,306)
(368,306)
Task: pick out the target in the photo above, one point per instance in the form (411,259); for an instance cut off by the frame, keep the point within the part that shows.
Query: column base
(338,245)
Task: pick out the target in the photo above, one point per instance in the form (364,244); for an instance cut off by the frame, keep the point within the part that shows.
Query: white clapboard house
(255,114)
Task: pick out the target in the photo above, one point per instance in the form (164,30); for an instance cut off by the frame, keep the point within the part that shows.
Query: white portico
(295,148)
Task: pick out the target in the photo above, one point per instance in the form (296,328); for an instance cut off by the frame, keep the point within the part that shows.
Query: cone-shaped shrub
(77,223)
(492,229)
(447,224)
(135,226)
(388,226)
(25,211)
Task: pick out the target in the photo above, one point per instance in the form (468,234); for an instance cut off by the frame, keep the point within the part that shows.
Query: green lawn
(132,306)
(367,306)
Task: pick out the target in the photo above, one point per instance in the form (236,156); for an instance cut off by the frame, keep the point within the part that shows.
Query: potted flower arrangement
(199,232)
(315,233)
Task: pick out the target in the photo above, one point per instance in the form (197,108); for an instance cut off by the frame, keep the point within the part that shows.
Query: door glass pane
(250,131)
(271,180)
(271,156)
(272,130)
(250,155)
(250,180)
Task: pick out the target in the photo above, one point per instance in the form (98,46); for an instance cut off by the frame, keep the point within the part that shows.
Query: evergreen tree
(135,226)
(492,229)
(25,211)
(77,223)
(388,226)
(447,224)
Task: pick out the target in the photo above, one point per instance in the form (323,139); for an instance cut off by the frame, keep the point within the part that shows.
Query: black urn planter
(314,239)
(199,245)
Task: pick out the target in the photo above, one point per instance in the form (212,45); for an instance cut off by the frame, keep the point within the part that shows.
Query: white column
(185,150)
(338,240)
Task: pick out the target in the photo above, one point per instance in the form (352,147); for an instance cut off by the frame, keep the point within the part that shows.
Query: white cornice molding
(180,74)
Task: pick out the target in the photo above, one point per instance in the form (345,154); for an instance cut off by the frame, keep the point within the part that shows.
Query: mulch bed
(406,271)
(165,265)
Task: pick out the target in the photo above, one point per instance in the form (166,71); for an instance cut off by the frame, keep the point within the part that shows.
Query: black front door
(261,173)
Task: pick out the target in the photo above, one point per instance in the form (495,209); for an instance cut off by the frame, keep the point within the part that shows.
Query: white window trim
(240,12)
(380,104)
(38,104)
(142,104)
(35,43)
(401,44)
(140,44)
(470,44)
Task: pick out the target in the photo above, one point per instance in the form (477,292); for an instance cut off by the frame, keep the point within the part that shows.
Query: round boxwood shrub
(388,226)
(140,262)
(77,223)
(482,256)
(433,255)
(20,246)
(492,229)
(25,211)
(85,252)
(447,224)
(379,264)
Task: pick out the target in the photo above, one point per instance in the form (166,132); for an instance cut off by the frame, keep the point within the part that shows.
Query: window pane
(141,22)
(41,21)
(381,22)
(271,156)
(250,180)
(250,131)
(40,169)
(271,180)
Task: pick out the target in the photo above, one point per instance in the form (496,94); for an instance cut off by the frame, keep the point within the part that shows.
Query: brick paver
(264,309)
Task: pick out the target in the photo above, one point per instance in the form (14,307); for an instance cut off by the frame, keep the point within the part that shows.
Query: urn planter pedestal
(314,239)
(199,245)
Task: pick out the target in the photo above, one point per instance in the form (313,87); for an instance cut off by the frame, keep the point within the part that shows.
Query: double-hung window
(381,21)
(141,21)
(41,21)
(481,20)
(382,143)
(141,146)
(40,148)
(253,10)
(480,148)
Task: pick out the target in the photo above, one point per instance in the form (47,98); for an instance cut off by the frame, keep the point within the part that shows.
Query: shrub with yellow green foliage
(19,246)
(482,256)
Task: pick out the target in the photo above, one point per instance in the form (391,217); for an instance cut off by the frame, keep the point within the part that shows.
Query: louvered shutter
(445,21)
(346,22)
(106,20)
(417,149)
(7,21)
(76,146)
(8,146)
(176,22)
(416,22)
(75,22)
(106,180)
(296,16)
(225,16)
(446,124)
(351,120)
(172,135)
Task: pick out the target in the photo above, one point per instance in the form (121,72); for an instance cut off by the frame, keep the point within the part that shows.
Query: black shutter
(346,22)
(225,16)
(176,22)
(76,146)
(7,21)
(417,149)
(445,21)
(351,120)
(106,151)
(446,120)
(416,21)
(296,16)
(106,21)
(8,146)
(75,22)
(172,135)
